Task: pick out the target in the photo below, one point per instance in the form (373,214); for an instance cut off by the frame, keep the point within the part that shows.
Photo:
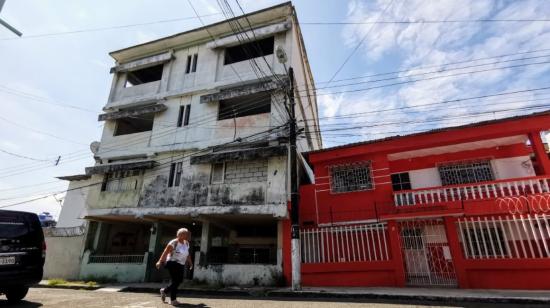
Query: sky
(375,63)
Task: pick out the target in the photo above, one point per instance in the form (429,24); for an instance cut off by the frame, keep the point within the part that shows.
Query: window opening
(144,75)
(245,106)
(466,172)
(351,177)
(217,173)
(249,51)
(132,125)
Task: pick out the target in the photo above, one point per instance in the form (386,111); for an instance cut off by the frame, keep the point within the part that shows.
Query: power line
(361,41)
(24,157)
(107,28)
(407,22)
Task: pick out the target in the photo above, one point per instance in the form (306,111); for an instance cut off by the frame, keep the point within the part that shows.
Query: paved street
(78,298)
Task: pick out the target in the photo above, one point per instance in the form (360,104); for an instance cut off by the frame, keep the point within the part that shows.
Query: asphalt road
(79,298)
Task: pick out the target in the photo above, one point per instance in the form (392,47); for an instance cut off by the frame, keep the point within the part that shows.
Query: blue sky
(73,69)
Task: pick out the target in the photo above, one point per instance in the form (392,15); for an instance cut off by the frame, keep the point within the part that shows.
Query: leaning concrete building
(196,136)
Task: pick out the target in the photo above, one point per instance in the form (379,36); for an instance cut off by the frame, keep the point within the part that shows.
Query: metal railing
(505,237)
(476,191)
(124,259)
(358,243)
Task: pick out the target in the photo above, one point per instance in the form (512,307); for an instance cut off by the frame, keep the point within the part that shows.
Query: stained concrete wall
(63,257)
(120,272)
(239,274)
(74,204)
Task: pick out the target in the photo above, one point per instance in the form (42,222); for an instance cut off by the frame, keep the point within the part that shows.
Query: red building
(460,207)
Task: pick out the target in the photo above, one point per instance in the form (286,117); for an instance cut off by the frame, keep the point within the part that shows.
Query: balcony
(475,191)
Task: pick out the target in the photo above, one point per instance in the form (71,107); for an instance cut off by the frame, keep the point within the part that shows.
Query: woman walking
(174,256)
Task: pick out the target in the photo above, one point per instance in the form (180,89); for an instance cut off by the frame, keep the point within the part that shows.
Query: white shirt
(180,251)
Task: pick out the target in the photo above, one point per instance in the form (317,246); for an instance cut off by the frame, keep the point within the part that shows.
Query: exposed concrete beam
(250,35)
(245,154)
(101,169)
(132,112)
(143,63)
(241,90)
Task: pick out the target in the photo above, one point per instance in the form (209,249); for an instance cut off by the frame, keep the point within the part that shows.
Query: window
(216,176)
(248,51)
(183,115)
(485,242)
(194,67)
(174,176)
(245,106)
(119,181)
(144,75)
(401,181)
(412,239)
(466,172)
(191,66)
(351,177)
(132,125)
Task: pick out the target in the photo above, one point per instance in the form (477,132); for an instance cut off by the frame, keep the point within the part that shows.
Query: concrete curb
(278,293)
(404,297)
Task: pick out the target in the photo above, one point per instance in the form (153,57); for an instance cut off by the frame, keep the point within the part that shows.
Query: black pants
(176,277)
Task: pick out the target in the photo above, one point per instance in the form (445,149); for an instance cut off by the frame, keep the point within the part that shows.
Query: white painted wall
(422,178)
(74,204)
(513,167)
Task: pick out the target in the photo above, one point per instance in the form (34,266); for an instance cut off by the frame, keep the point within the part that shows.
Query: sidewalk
(519,297)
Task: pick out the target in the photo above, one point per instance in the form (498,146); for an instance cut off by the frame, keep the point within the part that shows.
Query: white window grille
(358,243)
(466,172)
(505,237)
(121,181)
(351,177)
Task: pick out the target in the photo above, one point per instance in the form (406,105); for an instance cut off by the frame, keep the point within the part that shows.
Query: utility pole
(5,24)
(294,195)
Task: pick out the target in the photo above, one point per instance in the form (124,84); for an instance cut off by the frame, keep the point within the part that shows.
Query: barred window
(466,172)
(401,181)
(351,177)
(121,180)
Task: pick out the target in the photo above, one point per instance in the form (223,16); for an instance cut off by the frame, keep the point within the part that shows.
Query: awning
(259,33)
(243,90)
(112,167)
(132,112)
(248,154)
(77,177)
(143,63)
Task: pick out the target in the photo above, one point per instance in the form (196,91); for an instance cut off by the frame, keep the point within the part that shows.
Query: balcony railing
(474,191)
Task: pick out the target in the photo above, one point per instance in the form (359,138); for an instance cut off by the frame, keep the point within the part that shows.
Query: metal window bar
(345,244)
(351,177)
(133,259)
(506,237)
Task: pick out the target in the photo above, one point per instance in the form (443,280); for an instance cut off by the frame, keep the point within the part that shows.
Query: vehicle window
(13,229)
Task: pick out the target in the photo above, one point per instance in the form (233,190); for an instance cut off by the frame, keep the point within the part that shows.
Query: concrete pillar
(154,241)
(99,235)
(397,253)
(456,252)
(543,162)
(205,242)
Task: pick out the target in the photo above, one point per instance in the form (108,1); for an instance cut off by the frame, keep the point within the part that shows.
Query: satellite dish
(94,147)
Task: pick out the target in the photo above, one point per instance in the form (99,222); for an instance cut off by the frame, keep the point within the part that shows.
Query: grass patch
(56,282)
(63,282)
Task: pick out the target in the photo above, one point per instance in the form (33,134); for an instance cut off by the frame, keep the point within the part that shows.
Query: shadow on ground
(22,304)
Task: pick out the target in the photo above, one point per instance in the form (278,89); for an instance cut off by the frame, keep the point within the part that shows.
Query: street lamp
(5,24)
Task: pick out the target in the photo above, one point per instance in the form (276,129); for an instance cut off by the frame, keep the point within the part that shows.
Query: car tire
(16,294)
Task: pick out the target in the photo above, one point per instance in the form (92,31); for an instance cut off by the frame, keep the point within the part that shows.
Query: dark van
(22,253)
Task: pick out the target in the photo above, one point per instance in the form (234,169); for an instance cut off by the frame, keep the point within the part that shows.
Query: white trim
(353,222)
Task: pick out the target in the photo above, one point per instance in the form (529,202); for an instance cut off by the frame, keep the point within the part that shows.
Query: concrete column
(456,252)
(397,253)
(540,153)
(98,235)
(205,242)
(154,240)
